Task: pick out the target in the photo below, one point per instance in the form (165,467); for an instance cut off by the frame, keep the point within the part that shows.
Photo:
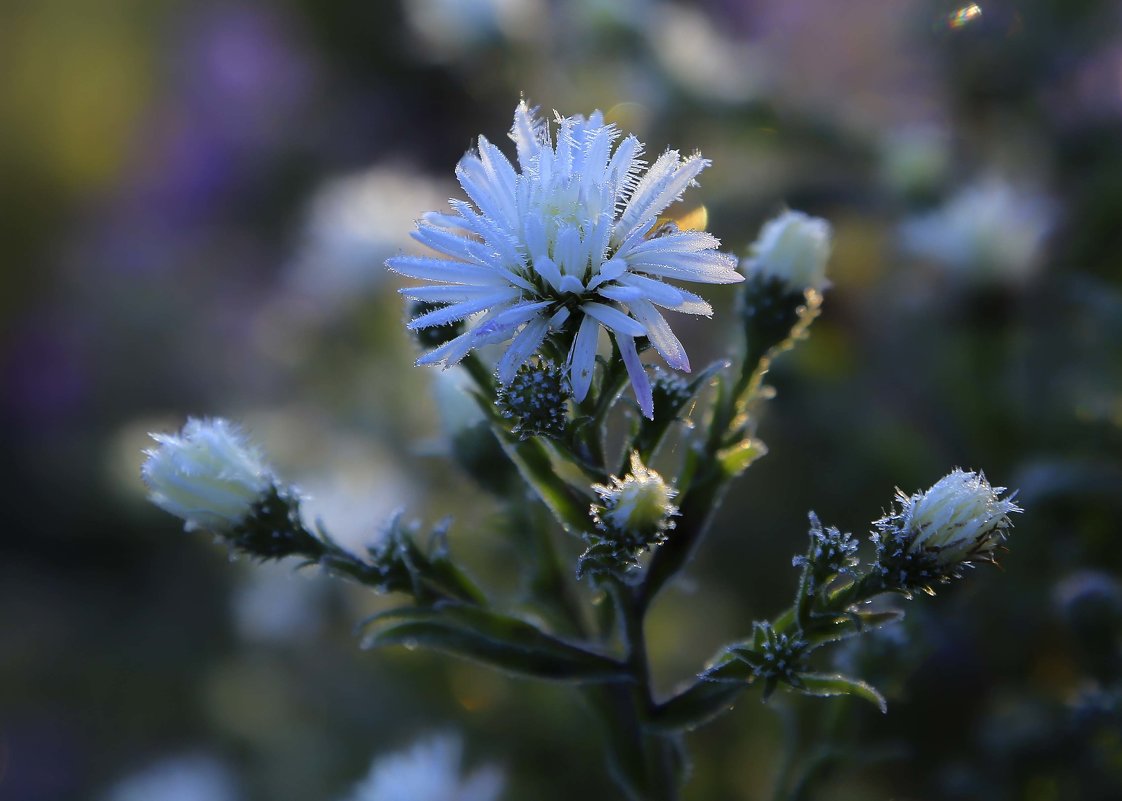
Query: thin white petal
(570,283)
(582,357)
(522,348)
(454,272)
(660,335)
(547,269)
(640,382)
(705,268)
(450,314)
(663,184)
(614,319)
(527,134)
(655,291)
(677,299)
(457,293)
(623,294)
(675,242)
(509,319)
(450,353)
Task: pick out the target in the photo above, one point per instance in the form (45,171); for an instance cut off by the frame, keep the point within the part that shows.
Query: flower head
(793,247)
(959,521)
(565,243)
(209,475)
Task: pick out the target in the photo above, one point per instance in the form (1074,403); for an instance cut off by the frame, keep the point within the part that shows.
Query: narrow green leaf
(533,462)
(696,705)
(492,638)
(827,684)
(729,667)
(850,625)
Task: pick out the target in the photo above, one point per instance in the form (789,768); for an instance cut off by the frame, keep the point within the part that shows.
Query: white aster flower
(209,475)
(429,771)
(562,245)
(793,247)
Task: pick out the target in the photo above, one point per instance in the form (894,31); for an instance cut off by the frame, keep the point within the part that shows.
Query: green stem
(649,761)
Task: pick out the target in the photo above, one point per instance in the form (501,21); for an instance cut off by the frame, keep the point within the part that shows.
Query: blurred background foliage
(197,200)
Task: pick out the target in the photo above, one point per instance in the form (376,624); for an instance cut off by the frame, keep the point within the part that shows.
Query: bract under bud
(793,247)
(209,475)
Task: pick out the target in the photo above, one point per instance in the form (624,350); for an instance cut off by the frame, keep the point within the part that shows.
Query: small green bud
(537,400)
(634,514)
(831,554)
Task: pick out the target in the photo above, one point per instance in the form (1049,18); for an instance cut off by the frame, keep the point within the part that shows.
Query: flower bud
(831,553)
(794,248)
(959,521)
(638,506)
(537,400)
(635,513)
(213,478)
(209,475)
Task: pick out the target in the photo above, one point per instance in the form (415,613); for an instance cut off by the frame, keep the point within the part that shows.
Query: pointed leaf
(532,460)
(491,638)
(698,704)
(845,626)
(824,684)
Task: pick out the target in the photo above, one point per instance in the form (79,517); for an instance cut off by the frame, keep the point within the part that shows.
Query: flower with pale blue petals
(565,243)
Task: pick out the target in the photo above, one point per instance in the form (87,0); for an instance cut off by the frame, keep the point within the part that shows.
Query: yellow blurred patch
(76,75)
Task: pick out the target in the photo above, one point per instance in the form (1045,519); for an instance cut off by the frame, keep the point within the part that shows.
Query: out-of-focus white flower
(705,60)
(209,475)
(637,506)
(429,771)
(452,28)
(989,231)
(567,243)
(793,247)
(959,521)
(181,778)
(353,224)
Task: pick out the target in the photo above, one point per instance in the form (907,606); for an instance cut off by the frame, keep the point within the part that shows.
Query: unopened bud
(931,535)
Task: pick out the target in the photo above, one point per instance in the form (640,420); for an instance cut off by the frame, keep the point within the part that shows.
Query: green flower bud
(634,514)
(537,400)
